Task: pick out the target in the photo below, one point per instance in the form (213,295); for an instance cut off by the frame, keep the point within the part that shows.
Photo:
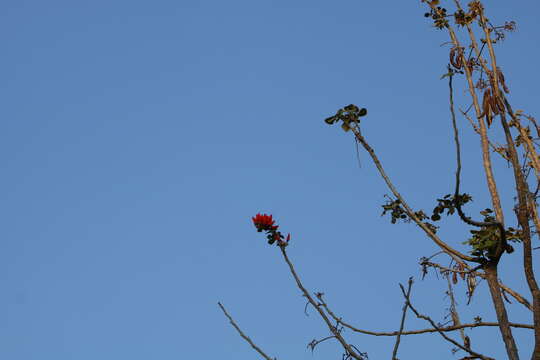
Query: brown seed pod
(486,107)
(452,57)
(456,57)
(471,285)
(493,105)
(501,80)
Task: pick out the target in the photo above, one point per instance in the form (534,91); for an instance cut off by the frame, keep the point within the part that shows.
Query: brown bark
(500,310)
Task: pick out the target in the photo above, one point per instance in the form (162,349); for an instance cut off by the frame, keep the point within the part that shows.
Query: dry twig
(244,336)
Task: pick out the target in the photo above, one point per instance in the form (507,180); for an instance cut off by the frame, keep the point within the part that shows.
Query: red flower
(264,222)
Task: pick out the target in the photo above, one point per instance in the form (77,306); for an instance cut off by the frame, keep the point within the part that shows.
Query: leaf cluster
(349,115)
(463,18)
(439,17)
(449,203)
(397,212)
(484,241)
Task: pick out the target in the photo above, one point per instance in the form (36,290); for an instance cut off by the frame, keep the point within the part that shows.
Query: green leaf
(446,75)
(330,120)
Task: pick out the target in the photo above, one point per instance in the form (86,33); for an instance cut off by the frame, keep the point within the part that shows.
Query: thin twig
(415,332)
(315,342)
(402,324)
(244,336)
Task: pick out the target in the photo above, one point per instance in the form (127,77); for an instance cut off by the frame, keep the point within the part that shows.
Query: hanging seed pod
(486,107)
(471,285)
(501,80)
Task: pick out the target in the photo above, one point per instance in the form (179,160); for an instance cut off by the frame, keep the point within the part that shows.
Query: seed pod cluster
(491,105)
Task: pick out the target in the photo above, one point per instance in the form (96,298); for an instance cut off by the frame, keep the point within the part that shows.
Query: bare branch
(427,318)
(316,342)
(244,336)
(402,324)
(413,332)
(333,329)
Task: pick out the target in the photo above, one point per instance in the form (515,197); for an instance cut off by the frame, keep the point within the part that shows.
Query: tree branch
(402,324)
(427,318)
(244,336)
(456,255)
(333,329)
(414,332)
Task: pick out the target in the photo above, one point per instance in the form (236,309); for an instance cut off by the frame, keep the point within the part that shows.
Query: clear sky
(138,138)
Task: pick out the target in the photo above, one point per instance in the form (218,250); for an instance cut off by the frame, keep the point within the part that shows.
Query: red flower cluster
(265,222)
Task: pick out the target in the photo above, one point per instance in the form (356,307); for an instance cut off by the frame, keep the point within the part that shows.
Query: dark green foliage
(397,213)
(395,209)
(484,241)
(349,115)
(439,17)
(448,204)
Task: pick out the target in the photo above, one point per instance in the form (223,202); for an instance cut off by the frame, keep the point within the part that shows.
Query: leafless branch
(340,321)
(316,342)
(427,318)
(333,329)
(244,336)
(402,324)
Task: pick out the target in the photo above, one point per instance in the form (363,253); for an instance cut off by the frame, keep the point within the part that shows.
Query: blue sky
(138,138)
